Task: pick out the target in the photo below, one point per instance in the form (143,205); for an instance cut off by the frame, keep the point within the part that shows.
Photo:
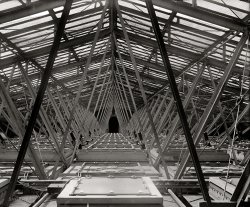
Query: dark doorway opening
(113,125)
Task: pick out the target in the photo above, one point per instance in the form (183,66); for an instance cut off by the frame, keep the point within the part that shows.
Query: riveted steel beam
(38,102)
(178,101)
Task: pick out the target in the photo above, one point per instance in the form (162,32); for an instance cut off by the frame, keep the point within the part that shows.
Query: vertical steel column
(177,98)
(38,101)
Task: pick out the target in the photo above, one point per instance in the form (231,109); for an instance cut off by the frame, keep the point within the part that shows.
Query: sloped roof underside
(196,36)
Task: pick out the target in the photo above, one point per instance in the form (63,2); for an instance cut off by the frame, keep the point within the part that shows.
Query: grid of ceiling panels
(191,41)
(26,38)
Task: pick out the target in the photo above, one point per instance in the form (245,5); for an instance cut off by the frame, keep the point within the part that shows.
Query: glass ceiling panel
(186,39)
(234,8)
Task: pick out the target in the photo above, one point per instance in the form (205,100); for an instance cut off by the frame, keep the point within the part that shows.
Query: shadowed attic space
(151,93)
(113,125)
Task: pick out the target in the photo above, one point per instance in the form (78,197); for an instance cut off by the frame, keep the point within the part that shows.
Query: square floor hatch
(101,190)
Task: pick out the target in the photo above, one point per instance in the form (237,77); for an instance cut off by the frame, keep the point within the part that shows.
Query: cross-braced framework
(171,72)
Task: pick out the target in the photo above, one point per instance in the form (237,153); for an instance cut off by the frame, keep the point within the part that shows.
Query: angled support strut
(178,102)
(38,102)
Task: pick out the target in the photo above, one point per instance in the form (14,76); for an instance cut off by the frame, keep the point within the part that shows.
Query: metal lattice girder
(223,119)
(171,22)
(178,101)
(125,74)
(17,122)
(57,111)
(38,102)
(22,54)
(106,97)
(107,107)
(165,116)
(155,116)
(224,136)
(141,87)
(160,108)
(203,14)
(51,22)
(106,92)
(101,90)
(98,75)
(212,62)
(45,50)
(143,115)
(120,102)
(129,88)
(178,73)
(213,102)
(65,109)
(152,111)
(121,98)
(177,119)
(181,52)
(65,37)
(212,47)
(60,69)
(124,93)
(42,113)
(190,38)
(83,79)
